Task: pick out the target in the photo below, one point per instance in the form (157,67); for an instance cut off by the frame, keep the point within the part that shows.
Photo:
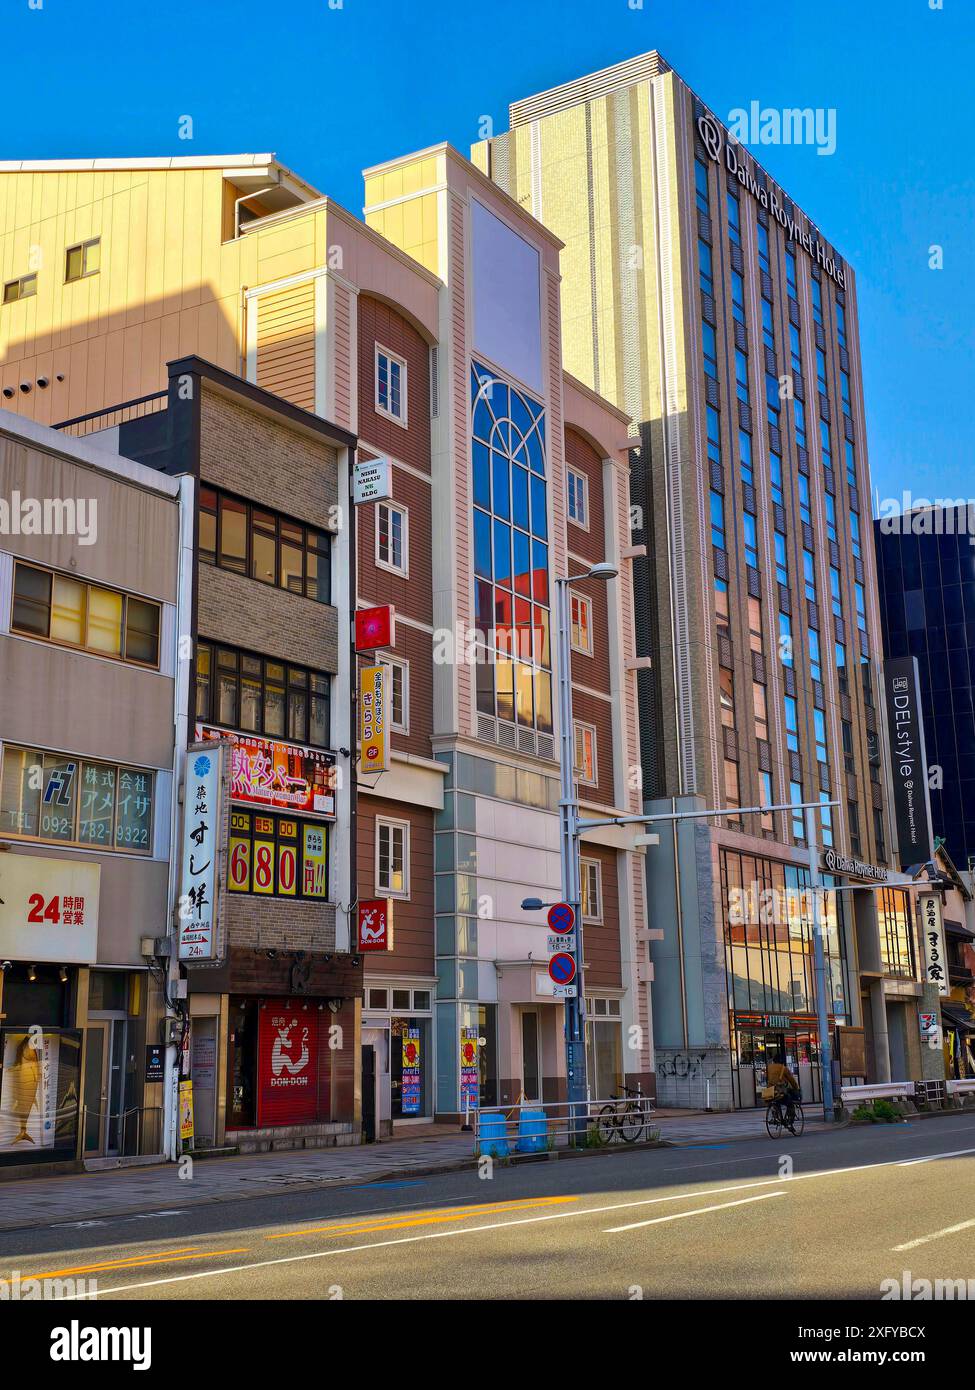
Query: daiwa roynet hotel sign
(715,140)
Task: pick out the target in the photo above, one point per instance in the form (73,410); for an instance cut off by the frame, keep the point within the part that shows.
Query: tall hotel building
(705,304)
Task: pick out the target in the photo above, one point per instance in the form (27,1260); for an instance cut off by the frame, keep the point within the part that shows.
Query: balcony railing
(114,415)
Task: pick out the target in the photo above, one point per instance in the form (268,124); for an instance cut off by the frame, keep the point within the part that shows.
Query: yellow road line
(366,1227)
(107,1266)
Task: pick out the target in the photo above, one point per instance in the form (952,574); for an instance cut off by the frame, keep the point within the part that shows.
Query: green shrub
(877,1112)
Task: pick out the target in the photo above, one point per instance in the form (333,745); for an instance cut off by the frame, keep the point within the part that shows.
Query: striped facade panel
(286,343)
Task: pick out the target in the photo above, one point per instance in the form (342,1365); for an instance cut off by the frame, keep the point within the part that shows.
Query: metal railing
(538,1127)
(139,1130)
(106,419)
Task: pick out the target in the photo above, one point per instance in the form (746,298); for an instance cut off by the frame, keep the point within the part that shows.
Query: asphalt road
(832,1216)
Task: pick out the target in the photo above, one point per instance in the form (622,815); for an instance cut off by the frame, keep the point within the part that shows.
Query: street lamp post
(575,1015)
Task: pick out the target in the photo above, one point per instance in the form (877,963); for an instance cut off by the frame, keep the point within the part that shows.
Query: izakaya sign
(48,909)
(204,846)
(375,925)
(714,139)
(933,931)
(277,776)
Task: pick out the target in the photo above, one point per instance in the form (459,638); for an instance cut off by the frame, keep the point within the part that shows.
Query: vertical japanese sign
(411,1090)
(204,847)
(374,715)
(933,931)
(469,1071)
(909,766)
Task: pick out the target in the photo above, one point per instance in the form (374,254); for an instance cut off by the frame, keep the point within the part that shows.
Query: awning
(959,930)
(955,1015)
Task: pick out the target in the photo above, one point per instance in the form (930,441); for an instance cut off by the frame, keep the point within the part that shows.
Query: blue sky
(333,90)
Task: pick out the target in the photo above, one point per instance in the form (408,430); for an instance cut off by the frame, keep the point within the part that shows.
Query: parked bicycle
(626,1118)
(783,1114)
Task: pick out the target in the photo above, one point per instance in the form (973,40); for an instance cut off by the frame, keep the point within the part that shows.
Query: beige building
(92,597)
(701,300)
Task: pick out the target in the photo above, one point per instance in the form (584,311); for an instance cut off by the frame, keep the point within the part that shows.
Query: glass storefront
(771,970)
(895,916)
(789,1039)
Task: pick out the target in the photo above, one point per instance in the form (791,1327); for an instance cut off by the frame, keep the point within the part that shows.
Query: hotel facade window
(60,799)
(390,385)
(511,559)
(74,613)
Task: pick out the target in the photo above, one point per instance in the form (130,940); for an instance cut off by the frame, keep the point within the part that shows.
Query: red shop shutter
(288,1062)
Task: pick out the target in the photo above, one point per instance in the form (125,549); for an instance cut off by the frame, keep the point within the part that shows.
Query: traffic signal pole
(575,1019)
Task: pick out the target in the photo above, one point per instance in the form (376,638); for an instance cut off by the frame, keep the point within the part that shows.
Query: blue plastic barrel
(492,1134)
(532,1132)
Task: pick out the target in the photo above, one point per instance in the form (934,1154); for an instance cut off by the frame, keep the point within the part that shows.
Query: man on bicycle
(786,1086)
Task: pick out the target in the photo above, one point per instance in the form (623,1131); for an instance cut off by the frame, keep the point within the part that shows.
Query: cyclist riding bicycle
(786,1086)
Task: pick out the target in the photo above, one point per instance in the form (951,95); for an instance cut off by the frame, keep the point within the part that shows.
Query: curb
(426,1170)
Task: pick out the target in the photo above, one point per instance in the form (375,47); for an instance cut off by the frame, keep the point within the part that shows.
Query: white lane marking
(522,1221)
(929,1158)
(698,1211)
(935,1235)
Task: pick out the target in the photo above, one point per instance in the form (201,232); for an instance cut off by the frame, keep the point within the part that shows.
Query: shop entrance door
(368,1094)
(531,1069)
(104,1076)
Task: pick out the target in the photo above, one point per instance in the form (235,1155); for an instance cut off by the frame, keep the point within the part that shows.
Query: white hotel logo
(713,139)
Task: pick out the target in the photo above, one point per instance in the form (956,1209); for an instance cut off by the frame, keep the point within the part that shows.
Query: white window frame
(386,659)
(579,726)
(404,569)
(586,604)
(586,866)
(402,418)
(389,823)
(582,481)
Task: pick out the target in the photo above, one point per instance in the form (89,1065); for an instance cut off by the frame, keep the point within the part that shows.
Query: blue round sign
(561,917)
(562,968)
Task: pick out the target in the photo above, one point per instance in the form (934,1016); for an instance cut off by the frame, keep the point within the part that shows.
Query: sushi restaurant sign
(48,909)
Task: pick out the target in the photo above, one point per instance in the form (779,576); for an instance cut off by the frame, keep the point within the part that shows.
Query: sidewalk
(95,1197)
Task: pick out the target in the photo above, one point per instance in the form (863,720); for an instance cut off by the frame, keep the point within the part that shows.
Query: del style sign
(714,139)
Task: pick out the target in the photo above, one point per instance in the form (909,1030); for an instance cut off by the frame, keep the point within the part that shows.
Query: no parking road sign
(561,917)
(562,968)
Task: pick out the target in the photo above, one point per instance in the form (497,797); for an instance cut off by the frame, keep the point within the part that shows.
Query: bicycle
(626,1118)
(777,1117)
